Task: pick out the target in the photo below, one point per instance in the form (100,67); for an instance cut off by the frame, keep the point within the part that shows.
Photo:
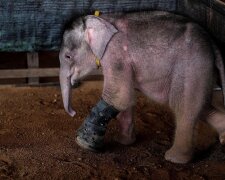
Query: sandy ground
(37,140)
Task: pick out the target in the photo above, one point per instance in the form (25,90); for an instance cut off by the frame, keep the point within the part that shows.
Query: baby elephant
(165,56)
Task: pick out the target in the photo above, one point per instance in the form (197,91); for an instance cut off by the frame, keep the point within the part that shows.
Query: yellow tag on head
(97,61)
(97,13)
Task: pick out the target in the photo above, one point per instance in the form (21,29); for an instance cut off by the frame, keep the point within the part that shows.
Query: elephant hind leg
(216,118)
(182,148)
(187,104)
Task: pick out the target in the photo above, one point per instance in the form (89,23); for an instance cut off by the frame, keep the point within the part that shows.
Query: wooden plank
(24,73)
(33,62)
(35,72)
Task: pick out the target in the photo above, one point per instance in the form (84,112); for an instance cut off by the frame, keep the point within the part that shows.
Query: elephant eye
(68,56)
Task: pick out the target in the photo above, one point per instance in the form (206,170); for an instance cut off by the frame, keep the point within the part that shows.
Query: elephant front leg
(117,96)
(118,91)
(126,127)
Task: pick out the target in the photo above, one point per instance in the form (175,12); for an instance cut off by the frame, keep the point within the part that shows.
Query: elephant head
(83,41)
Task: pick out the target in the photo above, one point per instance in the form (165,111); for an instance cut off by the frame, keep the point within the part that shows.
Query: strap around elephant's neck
(97,61)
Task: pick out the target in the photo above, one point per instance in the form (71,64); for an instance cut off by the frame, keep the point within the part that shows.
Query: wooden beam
(34,72)
(28,73)
(33,62)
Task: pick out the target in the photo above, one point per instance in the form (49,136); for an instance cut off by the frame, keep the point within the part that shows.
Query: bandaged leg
(91,133)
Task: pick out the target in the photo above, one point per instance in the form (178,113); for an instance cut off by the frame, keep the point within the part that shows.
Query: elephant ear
(98,33)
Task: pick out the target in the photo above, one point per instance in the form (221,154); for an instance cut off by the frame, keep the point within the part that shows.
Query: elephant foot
(85,145)
(222,138)
(125,140)
(90,137)
(175,156)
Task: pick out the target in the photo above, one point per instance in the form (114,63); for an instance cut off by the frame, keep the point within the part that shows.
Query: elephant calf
(165,56)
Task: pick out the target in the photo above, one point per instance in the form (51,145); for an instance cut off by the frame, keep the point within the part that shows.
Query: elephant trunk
(66,89)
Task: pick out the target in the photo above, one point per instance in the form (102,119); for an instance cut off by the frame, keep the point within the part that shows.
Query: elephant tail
(220,66)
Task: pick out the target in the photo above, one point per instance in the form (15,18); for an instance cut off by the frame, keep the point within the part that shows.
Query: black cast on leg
(91,133)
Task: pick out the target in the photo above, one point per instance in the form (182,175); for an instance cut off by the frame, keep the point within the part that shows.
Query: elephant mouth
(75,84)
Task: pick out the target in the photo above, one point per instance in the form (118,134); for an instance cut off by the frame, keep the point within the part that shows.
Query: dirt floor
(37,140)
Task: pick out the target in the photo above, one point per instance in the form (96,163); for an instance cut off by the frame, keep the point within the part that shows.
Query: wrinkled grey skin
(171,60)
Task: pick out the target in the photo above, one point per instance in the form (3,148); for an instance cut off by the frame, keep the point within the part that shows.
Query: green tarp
(31,25)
